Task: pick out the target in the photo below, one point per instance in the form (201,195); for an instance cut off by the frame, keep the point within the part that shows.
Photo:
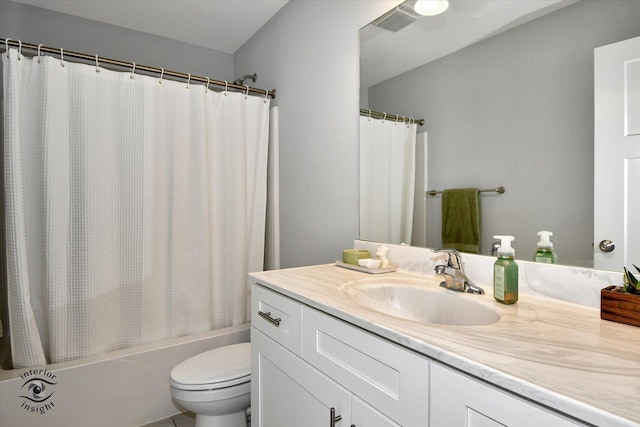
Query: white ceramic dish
(369,263)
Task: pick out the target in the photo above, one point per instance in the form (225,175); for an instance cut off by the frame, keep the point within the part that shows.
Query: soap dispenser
(505,272)
(545,253)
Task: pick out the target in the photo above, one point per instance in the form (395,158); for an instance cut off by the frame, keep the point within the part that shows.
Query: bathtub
(123,388)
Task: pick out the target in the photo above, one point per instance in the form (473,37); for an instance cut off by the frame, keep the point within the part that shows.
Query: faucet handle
(451,255)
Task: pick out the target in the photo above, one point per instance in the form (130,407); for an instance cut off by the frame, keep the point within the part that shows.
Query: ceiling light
(431,7)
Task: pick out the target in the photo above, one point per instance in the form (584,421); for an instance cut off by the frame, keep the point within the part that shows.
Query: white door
(617,155)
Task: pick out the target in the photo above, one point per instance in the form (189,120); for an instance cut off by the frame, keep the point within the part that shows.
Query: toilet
(215,385)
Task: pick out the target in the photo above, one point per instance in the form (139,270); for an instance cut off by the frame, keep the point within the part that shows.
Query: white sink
(420,301)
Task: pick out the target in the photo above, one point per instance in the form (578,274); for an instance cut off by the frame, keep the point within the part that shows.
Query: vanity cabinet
(366,380)
(460,400)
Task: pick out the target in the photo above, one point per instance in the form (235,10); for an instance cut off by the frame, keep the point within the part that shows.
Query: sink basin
(420,301)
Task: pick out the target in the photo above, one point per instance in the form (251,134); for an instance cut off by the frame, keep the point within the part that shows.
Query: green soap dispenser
(505,272)
(545,249)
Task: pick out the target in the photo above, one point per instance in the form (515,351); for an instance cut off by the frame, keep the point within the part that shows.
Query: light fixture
(430,7)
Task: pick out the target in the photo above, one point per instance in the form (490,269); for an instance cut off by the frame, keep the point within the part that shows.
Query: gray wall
(36,25)
(517,110)
(309,53)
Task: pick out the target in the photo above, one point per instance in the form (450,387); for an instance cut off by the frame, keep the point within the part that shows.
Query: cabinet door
(363,415)
(286,391)
(459,400)
(392,379)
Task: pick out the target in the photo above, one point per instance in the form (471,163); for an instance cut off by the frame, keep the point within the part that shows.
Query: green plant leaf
(631,277)
(630,282)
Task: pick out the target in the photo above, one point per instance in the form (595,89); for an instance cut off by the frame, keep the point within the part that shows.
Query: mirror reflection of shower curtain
(134,209)
(387,180)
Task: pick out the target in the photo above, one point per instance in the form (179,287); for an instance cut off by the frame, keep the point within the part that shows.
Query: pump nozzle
(505,245)
(544,239)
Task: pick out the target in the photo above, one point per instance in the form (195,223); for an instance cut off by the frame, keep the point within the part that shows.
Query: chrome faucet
(453,273)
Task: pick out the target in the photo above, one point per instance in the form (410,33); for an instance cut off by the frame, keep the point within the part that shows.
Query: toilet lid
(218,368)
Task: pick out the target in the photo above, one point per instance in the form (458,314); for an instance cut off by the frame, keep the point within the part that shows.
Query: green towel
(461,219)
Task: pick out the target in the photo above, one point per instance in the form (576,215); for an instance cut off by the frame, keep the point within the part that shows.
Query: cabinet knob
(334,418)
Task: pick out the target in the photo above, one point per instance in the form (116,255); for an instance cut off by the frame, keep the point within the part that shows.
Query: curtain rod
(132,65)
(486,190)
(392,117)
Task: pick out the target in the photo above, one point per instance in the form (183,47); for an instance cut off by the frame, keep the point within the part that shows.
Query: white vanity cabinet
(460,400)
(344,376)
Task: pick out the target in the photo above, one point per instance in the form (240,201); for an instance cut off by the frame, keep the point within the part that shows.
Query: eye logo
(37,390)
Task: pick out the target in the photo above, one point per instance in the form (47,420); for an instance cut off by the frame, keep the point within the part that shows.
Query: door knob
(607,246)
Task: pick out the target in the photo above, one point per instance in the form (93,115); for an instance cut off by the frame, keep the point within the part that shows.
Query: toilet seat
(214,369)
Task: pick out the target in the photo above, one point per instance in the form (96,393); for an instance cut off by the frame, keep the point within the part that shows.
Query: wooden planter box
(619,307)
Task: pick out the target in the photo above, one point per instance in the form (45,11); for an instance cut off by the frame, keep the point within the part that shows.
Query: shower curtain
(135,207)
(387,180)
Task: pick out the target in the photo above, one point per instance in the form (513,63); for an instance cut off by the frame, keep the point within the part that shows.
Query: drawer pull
(267,316)
(334,418)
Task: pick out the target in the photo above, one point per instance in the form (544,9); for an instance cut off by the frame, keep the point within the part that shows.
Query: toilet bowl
(215,385)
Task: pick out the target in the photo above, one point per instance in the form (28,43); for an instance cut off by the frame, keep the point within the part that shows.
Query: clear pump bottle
(545,253)
(505,272)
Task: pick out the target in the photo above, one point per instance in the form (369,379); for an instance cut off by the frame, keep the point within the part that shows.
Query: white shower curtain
(135,207)
(387,180)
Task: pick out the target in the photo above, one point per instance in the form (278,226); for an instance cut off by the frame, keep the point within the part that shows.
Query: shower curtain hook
(6,46)
(369,115)
(161,75)
(39,46)
(266,95)
(384,117)
(247,92)
(133,70)
(188,81)
(97,65)
(19,49)
(206,90)
(226,87)
(61,57)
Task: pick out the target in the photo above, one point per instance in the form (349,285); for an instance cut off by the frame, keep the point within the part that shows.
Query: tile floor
(185,419)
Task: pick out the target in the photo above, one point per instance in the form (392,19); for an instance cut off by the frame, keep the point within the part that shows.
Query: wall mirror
(508,100)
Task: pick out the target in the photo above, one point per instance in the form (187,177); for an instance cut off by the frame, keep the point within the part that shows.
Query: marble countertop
(559,354)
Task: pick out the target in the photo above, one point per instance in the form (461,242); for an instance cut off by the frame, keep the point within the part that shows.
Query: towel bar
(495,190)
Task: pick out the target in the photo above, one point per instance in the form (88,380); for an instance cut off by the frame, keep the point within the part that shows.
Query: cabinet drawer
(388,377)
(278,317)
